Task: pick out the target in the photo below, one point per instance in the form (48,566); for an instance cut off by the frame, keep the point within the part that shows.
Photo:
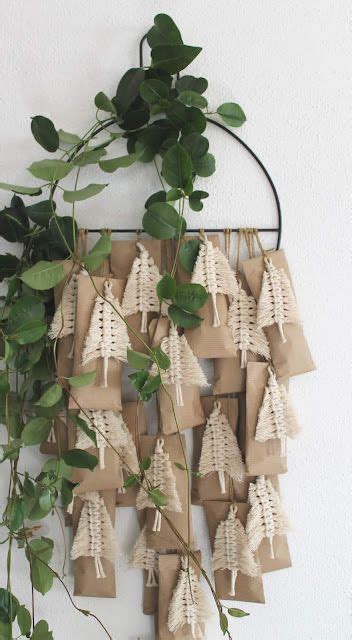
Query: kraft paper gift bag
(93,395)
(248,589)
(165,539)
(262,458)
(229,376)
(292,357)
(282,559)
(57,442)
(86,582)
(134,416)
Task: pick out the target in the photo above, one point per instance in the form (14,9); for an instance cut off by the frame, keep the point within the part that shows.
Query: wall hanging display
(76,314)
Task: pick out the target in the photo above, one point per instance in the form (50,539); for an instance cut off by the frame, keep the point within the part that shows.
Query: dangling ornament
(184,367)
(213,272)
(276,418)
(187,604)
(242,320)
(144,558)
(95,535)
(107,335)
(277,302)
(231,550)
(160,475)
(266,517)
(63,322)
(220,451)
(140,291)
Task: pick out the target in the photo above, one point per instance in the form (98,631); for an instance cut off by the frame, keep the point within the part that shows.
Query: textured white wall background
(288,64)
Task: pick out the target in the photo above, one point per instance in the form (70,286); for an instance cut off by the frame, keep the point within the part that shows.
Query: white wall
(288,64)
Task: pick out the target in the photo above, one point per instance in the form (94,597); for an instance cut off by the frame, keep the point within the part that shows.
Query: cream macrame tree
(231,549)
(110,430)
(213,272)
(184,367)
(266,517)
(242,320)
(140,291)
(187,605)
(144,558)
(95,535)
(160,474)
(277,302)
(276,418)
(220,451)
(107,335)
(63,322)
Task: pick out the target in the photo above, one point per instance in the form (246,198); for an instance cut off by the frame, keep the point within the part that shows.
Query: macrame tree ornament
(242,320)
(107,335)
(144,558)
(187,605)
(231,549)
(212,270)
(160,474)
(63,322)
(140,291)
(277,302)
(220,451)
(184,367)
(95,535)
(266,517)
(276,418)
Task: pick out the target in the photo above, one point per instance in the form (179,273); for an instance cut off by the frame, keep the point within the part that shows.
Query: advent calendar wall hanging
(73,318)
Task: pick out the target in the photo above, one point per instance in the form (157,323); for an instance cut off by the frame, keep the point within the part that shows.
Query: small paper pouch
(230,547)
(94,395)
(229,376)
(292,357)
(133,413)
(94,539)
(165,451)
(57,441)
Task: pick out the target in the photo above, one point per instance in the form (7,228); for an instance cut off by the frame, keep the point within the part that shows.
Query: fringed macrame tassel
(222,482)
(271,543)
(99,568)
(233,582)
(216,319)
(277,302)
(151,579)
(242,320)
(52,436)
(144,558)
(266,517)
(187,605)
(157,521)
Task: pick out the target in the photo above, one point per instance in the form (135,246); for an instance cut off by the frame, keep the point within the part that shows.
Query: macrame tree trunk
(242,320)
(277,302)
(63,322)
(187,604)
(266,517)
(144,558)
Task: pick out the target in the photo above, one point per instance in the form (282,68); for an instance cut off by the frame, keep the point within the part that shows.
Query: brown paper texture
(61,438)
(229,376)
(137,425)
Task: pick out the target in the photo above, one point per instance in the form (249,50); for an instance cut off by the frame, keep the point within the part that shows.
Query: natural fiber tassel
(266,517)
(242,320)
(276,418)
(187,605)
(95,535)
(277,302)
(140,291)
(63,322)
(231,549)
(107,335)
(160,474)
(220,451)
(144,558)
(213,272)
(184,367)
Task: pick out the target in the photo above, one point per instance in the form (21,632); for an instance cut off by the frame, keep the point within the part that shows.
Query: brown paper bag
(282,558)
(93,396)
(134,416)
(60,444)
(85,581)
(292,357)
(165,539)
(169,568)
(248,589)
(262,458)
(229,376)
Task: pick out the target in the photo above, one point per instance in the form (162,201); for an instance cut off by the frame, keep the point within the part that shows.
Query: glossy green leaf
(224,623)
(51,396)
(190,83)
(41,631)
(193,99)
(62,231)
(138,360)
(45,134)
(145,463)
(80,458)
(8,606)
(131,481)
(25,310)
(109,166)
(98,253)
(138,379)
(128,89)
(177,166)
(83,194)
(190,296)
(232,114)
(173,58)
(153,383)
(36,431)
(41,550)
(82,424)
(166,287)
(205,166)
(24,620)
(41,212)
(82,380)
(16,513)
(188,254)
(50,170)
(162,221)
(68,138)
(237,613)
(16,188)
(157,497)
(196,121)
(159,196)
(153,91)
(90,156)
(31,333)
(196,145)
(8,265)
(164,31)
(182,318)
(161,358)
(173,194)
(104,103)
(43,275)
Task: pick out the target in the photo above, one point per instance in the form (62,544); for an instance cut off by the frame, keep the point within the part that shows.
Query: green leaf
(188,254)
(8,266)
(193,99)
(98,253)
(16,513)
(196,145)
(177,166)
(82,380)
(173,58)
(153,91)
(50,170)
(41,631)
(24,620)
(196,121)
(205,166)
(68,138)
(162,221)
(41,212)
(109,166)
(45,133)
(183,318)
(190,83)
(224,623)
(83,194)
(42,548)
(153,383)
(164,31)
(166,287)
(5,631)
(26,310)
(128,89)
(31,333)
(161,358)
(16,188)
(40,553)
(81,424)
(232,114)
(104,103)
(159,196)
(66,490)
(43,275)
(138,379)
(180,466)
(36,431)
(90,156)
(137,360)
(51,396)
(59,228)
(145,463)
(131,481)
(237,613)
(4,383)
(157,497)
(80,458)
(190,297)
(173,194)
(8,606)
